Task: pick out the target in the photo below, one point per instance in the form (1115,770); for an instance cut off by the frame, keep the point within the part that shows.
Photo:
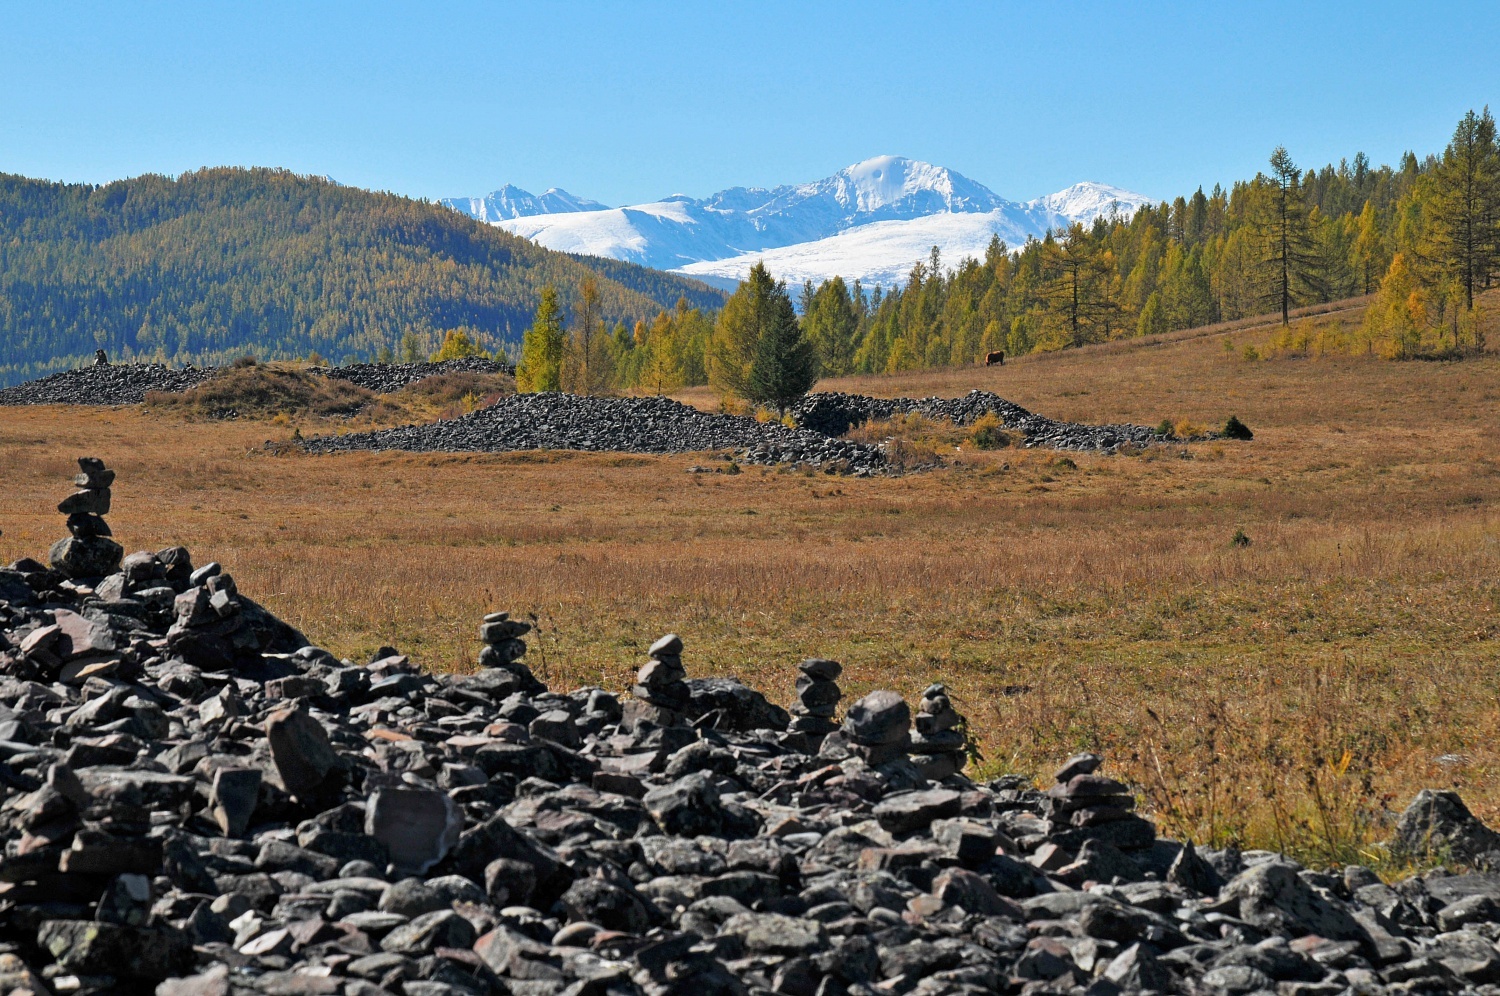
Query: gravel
(635,425)
(105,384)
(835,414)
(195,800)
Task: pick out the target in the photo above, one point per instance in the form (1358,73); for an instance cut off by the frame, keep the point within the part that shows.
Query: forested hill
(220,262)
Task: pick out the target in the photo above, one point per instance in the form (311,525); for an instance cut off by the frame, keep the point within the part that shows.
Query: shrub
(1235,429)
(1164,428)
(245,361)
(1183,429)
(1239,539)
(988,433)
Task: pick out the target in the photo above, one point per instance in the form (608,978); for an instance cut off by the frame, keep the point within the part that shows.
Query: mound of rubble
(834,414)
(388,378)
(105,384)
(199,803)
(558,421)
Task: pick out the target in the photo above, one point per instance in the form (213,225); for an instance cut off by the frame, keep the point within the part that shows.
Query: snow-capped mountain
(513,202)
(871,220)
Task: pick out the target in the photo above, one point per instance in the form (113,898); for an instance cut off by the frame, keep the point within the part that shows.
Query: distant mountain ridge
(512,202)
(813,230)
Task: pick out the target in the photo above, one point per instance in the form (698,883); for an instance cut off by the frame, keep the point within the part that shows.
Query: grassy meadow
(1288,693)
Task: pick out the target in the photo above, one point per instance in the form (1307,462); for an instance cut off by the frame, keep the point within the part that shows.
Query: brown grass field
(1286,694)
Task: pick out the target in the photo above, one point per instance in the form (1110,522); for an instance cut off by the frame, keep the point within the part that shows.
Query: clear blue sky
(626,102)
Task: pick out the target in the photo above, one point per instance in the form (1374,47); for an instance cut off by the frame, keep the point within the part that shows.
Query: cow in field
(995,359)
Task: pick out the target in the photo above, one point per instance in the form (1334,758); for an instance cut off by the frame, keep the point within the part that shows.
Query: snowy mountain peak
(1088,200)
(891,182)
(512,202)
(869,220)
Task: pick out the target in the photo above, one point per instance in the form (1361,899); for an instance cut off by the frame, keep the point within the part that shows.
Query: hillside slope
(219,262)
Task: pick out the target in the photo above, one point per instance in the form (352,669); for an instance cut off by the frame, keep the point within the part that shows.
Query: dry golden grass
(1279,694)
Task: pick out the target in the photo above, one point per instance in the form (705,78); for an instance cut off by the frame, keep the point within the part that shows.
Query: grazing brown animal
(996,358)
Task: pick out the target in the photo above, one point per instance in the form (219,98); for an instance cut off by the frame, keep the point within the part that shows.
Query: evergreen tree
(743,322)
(785,366)
(457,345)
(832,324)
(542,347)
(1291,252)
(1463,237)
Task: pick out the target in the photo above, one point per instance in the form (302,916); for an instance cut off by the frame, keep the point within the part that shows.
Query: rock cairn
(195,801)
(88,552)
(877,728)
(938,749)
(1093,807)
(661,692)
(818,697)
(504,648)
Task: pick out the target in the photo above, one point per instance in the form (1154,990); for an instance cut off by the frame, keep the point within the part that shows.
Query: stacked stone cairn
(877,728)
(660,693)
(88,552)
(504,648)
(938,748)
(818,697)
(1086,806)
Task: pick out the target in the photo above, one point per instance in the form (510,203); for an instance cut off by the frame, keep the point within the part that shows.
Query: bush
(1183,429)
(1235,429)
(988,433)
(245,361)
(1239,539)
(1164,428)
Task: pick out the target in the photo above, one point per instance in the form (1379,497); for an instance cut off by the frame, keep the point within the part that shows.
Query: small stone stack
(88,552)
(1087,806)
(504,648)
(818,697)
(878,727)
(662,683)
(938,748)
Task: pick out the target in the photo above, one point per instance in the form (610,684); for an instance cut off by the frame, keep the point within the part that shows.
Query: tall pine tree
(785,366)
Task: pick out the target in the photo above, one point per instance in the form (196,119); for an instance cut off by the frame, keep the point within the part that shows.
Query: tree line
(1423,236)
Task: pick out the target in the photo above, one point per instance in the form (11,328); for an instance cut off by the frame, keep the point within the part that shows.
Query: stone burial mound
(128,383)
(388,378)
(106,384)
(558,421)
(197,801)
(835,414)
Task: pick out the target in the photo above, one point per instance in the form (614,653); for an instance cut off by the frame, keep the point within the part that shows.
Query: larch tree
(1291,250)
(832,323)
(542,346)
(1463,233)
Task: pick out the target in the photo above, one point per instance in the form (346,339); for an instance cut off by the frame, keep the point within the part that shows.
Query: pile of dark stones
(195,801)
(128,383)
(105,384)
(388,378)
(834,414)
(559,421)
